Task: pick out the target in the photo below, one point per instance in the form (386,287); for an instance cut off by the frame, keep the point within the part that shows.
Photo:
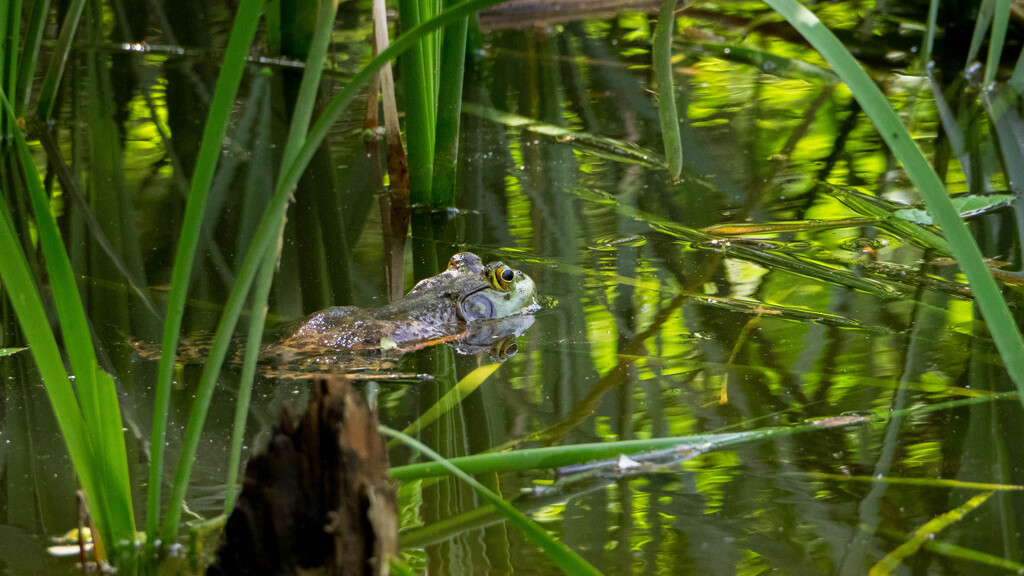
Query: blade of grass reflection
(661,57)
(925,533)
(599,146)
(488,515)
(952,551)
(916,361)
(945,483)
(767,62)
(885,213)
(761,229)
(563,556)
(58,59)
(68,186)
(452,398)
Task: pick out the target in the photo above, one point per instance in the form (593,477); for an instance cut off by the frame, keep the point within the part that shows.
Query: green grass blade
(419,127)
(267,232)
(1017,79)
(449,113)
(58,59)
(242,34)
(10,351)
(13,39)
(95,389)
(304,104)
(257,319)
(563,556)
(662,59)
(980,27)
(557,456)
(30,55)
(929,38)
(1000,21)
(92,422)
(962,245)
(21,289)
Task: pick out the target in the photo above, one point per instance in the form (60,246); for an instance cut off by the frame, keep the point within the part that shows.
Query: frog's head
(479,291)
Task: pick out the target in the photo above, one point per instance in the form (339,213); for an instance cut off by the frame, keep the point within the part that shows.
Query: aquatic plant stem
(563,556)
(962,245)
(242,34)
(661,55)
(267,234)
(449,114)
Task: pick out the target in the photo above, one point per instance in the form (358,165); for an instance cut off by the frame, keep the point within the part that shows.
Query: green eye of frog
(501,277)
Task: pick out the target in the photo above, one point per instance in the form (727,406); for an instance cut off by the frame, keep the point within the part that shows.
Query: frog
(452,306)
(476,308)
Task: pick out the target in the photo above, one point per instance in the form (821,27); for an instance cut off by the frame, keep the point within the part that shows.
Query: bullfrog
(457,304)
(474,307)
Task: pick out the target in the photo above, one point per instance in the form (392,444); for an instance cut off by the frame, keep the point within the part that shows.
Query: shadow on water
(765,288)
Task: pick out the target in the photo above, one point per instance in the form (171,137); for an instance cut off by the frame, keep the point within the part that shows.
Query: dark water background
(654,327)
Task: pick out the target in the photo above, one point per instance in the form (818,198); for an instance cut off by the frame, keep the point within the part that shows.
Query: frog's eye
(506,348)
(501,277)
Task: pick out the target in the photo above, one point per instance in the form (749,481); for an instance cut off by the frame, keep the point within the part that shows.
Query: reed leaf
(97,398)
(962,245)
(563,556)
(420,103)
(1000,21)
(296,136)
(452,398)
(242,33)
(981,24)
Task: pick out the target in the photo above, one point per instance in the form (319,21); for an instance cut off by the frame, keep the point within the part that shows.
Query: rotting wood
(319,500)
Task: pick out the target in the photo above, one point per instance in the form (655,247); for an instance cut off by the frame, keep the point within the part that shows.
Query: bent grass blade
(563,556)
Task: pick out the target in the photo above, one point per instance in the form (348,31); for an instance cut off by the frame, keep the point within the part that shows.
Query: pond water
(756,292)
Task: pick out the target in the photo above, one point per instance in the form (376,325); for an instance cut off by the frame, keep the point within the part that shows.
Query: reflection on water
(749,294)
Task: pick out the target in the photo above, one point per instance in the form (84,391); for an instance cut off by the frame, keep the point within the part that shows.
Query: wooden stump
(319,501)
